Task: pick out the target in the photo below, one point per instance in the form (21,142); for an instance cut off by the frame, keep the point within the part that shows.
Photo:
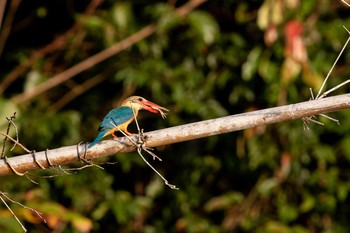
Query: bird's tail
(98,138)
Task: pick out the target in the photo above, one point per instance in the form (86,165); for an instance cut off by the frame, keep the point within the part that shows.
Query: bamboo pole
(181,133)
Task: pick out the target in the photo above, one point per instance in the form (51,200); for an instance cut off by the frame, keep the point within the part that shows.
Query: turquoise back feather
(118,116)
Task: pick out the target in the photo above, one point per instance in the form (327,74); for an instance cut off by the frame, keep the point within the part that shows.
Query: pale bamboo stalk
(181,133)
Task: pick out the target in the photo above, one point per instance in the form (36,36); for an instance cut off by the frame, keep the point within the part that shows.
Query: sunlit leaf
(287,212)
(8,108)
(224,201)
(250,67)
(268,185)
(307,204)
(205,25)
(122,15)
(33,79)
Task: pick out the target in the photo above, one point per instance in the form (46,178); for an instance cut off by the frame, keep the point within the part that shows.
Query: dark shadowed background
(224,57)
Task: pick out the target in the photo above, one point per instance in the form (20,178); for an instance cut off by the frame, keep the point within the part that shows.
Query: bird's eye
(140,99)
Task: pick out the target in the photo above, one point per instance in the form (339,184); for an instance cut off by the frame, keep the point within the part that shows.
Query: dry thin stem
(31,180)
(139,151)
(78,90)
(36,161)
(331,69)
(7,162)
(15,141)
(2,11)
(5,32)
(83,159)
(13,214)
(345,3)
(140,145)
(141,138)
(10,122)
(33,153)
(3,195)
(308,119)
(14,126)
(331,118)
(88,163)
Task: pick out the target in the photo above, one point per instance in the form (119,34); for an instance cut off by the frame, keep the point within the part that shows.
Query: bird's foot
(142,138)
(141,142)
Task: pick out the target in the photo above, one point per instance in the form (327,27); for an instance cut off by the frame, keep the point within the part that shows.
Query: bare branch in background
(101,56)
(76,91)
(55,45)
(2,12)
(6,29)
(4,196)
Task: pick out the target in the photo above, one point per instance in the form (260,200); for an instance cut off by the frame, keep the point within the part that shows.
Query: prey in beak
(155,108)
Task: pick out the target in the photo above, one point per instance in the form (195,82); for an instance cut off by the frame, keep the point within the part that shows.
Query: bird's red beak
(155,108)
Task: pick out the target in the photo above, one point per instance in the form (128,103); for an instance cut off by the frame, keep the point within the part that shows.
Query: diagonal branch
(6,28)
(101,56)
(180,133)
(55,45)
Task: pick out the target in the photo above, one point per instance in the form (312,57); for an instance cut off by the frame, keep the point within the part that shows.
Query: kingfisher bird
(119,118)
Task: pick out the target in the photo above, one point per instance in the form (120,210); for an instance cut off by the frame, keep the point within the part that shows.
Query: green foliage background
(214,62)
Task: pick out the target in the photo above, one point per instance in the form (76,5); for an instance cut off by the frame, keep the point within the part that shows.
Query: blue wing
(118,116)
(98,138)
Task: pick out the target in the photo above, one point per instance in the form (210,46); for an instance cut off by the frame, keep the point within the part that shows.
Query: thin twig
(334,64)
(346,3)
(31,180)
(82,167)
(2,11)
(5,32)
(48,159)
(39,214)
(88,163)
(139,150)
(334,88)
(141,138)
(76,91)
(13,214)
(308,119)
(141,146)
(15,141)
(7,162)
(10,122)
(331,118)
(36,161)
(16,130)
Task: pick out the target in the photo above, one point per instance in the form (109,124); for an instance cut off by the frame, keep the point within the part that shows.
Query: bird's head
(140,103)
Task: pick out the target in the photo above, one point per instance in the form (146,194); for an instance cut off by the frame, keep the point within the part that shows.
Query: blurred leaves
(223,58)
(205,26)
(8,108)
(223,202)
